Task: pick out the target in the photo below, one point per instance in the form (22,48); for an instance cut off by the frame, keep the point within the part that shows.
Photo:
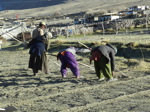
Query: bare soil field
(50,93)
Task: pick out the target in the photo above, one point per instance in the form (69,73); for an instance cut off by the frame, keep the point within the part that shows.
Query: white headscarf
(72,50)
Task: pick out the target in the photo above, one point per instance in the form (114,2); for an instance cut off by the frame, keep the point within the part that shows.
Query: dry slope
(69,7)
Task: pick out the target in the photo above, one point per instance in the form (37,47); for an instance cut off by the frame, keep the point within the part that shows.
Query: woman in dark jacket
(104,61)
(38,58)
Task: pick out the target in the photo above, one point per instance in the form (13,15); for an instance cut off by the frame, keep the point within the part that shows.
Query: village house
(108,18)
(131,12)
(79,20)
(93,19)
(146,13)
(128,14)
(135,8)
(134,12)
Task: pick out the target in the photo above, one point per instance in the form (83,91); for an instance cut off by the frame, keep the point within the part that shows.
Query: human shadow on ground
(29,80)
(15,47)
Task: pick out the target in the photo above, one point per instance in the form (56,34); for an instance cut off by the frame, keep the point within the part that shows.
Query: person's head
(42,24)
(113,47)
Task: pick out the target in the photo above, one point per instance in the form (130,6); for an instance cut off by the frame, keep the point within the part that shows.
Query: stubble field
(51,93)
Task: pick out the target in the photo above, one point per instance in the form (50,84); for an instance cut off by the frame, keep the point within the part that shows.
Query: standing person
(104,61)
(40,44)
(68,60)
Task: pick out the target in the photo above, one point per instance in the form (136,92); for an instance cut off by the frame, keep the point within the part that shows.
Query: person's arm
(41,31)
(112,62)
(48,44)
(48,39)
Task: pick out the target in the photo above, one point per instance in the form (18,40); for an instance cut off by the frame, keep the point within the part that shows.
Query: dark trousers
(38,63)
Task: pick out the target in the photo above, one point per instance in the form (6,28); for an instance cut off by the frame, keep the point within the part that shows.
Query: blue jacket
(37,48)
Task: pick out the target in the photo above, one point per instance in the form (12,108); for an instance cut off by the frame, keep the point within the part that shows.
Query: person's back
(107,50)
(37,32)
(68,60)
(104,61)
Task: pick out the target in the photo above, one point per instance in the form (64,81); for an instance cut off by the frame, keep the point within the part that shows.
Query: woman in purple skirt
(68,60)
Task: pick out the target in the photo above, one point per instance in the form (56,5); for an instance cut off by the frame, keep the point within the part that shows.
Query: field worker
(68,60)
(39,31)
(38,49)
(104,61)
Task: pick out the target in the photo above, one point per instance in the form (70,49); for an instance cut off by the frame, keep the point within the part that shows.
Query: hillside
(49,7)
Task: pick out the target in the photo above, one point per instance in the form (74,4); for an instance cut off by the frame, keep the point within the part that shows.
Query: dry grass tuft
(132,62)
(59,42)
(132,44)
(136,64)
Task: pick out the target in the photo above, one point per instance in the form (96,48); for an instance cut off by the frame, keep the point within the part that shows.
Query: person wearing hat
(68,60)
(104,61)
(39,31)
(38,48)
